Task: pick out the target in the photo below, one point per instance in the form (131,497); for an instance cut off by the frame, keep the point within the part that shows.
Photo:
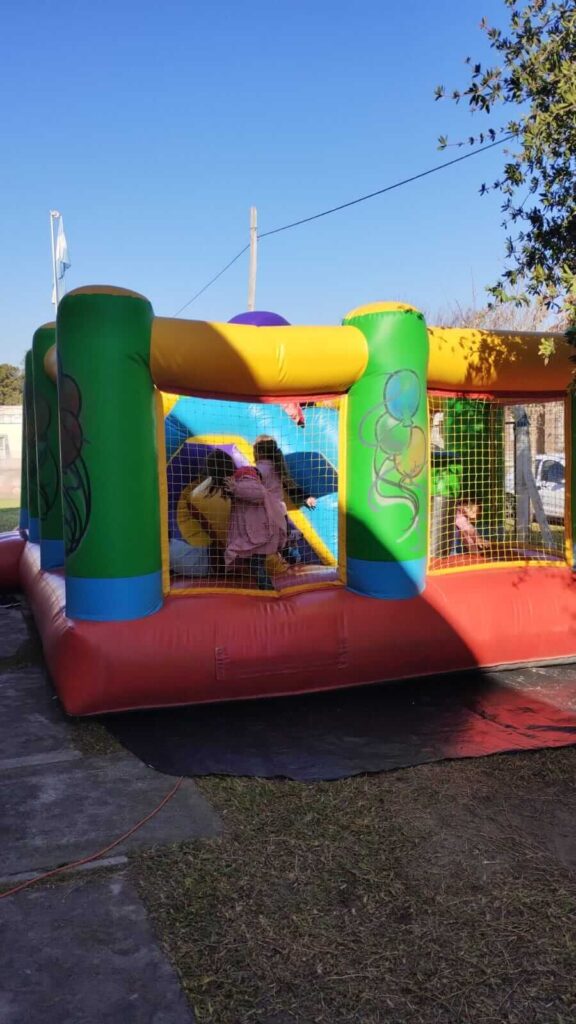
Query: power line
(381,191)
(212,280)
(344,206)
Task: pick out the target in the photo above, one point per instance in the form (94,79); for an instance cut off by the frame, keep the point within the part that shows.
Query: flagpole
(53,215)
(253,258)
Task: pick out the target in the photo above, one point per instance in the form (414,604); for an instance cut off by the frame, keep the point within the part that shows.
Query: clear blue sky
(153,126)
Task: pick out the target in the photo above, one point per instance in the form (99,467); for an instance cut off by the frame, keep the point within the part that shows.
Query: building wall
(10,452)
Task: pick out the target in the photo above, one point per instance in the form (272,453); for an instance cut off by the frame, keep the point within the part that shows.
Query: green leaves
(546,349)
(536,77)
(11,381)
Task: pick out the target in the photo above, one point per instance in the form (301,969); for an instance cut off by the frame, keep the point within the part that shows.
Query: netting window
(498,481)
(252,495)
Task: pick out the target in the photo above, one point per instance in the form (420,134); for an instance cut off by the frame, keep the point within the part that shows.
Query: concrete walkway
(82,950)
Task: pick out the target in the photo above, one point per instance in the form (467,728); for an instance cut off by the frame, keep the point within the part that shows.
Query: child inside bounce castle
(468,513)
(257,525)
(271,465)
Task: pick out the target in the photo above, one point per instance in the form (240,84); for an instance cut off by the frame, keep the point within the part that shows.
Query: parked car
(550,479)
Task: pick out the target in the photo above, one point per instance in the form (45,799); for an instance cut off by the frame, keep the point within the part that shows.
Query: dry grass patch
(442,894)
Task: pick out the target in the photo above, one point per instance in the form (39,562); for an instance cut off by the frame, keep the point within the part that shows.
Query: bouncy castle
(427,513)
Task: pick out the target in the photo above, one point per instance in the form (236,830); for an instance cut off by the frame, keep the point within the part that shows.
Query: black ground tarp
(335,734)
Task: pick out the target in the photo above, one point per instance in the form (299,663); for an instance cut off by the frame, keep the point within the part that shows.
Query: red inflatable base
(11,547)
(226,647)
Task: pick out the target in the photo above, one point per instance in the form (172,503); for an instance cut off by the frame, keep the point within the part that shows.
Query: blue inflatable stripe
(389,580)
(51,554)
(113,599)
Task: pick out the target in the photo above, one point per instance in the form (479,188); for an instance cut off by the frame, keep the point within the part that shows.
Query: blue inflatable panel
(313,473)
(194,416)
(311,453)
(176,435)
(324,521)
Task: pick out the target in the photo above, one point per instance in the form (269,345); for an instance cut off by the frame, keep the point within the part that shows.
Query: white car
(550,478)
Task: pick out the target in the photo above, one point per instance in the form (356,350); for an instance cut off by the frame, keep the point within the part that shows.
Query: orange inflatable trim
(225,647)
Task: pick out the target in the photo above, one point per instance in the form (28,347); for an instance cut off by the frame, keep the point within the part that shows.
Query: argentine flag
(61,256)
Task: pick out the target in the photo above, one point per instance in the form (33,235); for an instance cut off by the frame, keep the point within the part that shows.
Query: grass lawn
(443,894)
(9,516)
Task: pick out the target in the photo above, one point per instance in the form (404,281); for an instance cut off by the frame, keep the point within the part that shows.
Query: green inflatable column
(23,520)
(387,446)
(47,452)
(108,454)
(31,460)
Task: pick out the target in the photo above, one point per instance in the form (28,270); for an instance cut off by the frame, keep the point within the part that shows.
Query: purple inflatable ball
(260,318)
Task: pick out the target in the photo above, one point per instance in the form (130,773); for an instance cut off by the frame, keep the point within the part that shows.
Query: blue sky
(154,126)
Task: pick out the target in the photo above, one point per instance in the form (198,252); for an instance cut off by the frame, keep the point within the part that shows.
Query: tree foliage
(11,382)
(535,78)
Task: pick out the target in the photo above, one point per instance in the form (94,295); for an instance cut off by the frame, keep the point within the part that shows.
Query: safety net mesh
(252,494)
(497,482)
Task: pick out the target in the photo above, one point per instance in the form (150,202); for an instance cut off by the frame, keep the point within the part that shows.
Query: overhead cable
(344,206)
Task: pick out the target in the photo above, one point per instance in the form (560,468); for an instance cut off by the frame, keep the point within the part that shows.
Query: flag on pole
(61,256)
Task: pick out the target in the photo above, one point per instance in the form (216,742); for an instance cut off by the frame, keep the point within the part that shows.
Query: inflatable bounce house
(214,511)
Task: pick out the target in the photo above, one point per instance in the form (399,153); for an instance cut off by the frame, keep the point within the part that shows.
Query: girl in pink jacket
(467,516)
(275,475)
(257,525)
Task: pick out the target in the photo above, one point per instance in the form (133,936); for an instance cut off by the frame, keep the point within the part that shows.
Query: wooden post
(253,258)
(527,493)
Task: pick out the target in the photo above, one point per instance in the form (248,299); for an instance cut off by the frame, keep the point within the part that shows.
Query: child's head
(471,508)
(219,466)
(266,449)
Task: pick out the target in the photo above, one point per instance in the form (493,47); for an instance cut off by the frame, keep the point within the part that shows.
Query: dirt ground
(443,894)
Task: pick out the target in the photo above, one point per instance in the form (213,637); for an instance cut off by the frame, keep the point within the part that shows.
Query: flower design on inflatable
(30,429)
(76,489)
(49,476)
(399,445)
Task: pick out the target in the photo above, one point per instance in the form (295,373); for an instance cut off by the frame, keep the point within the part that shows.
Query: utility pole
(253,258)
